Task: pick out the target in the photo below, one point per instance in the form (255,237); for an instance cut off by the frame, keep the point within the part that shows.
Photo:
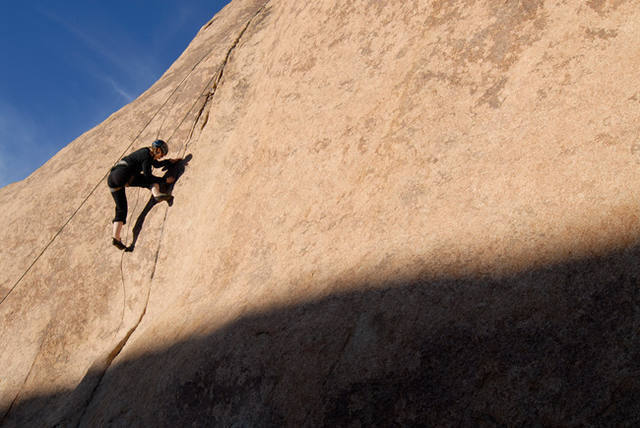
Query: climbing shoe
(119,245)
(165,197)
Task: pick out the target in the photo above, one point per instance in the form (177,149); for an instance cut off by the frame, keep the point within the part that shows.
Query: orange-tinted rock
(397,212)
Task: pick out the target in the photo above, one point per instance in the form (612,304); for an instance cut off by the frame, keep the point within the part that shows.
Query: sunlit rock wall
(396,212)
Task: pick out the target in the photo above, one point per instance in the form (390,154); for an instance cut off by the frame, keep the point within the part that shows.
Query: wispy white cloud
(119,89)
(19,154)
(4,180)
(137,67)
(85,38)
(15,126)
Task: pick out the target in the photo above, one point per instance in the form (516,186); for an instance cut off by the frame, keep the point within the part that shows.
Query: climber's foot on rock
(118,244)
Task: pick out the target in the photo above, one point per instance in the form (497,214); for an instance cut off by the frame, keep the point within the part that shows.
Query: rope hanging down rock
(213,83)
(84,201)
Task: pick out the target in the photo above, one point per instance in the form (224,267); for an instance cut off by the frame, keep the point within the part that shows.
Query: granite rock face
(396,213)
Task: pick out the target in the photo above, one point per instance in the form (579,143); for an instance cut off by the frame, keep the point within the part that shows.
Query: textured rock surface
(397,212)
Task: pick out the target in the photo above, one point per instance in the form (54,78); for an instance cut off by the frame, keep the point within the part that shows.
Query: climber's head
(159,149)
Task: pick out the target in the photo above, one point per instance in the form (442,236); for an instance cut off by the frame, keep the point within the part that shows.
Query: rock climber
(135,170)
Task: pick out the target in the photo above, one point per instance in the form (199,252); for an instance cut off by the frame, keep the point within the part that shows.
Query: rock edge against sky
(395,213)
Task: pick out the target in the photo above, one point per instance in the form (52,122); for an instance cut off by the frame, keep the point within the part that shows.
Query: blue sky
(65,66)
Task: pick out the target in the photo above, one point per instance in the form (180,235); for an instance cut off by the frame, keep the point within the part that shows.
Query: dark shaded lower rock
(558,346)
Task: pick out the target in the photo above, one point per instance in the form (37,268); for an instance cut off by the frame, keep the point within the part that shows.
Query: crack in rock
(33,364)
(106,364)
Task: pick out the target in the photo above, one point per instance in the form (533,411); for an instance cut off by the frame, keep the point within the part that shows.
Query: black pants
(119,178)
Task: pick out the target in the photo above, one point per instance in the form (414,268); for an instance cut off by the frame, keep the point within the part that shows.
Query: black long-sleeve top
(141,161)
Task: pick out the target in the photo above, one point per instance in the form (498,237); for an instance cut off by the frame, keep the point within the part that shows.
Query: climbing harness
(84,201)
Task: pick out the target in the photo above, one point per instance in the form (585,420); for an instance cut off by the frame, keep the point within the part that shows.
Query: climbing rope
(123,342)
(213,84)
(84,201)
(183,152)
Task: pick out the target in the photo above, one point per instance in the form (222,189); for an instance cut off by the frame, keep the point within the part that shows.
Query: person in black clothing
(135,170)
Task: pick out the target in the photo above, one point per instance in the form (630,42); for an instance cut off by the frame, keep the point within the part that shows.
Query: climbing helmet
(159,144)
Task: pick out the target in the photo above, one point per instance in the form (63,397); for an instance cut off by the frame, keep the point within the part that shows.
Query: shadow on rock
(175,170)
(555,346)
